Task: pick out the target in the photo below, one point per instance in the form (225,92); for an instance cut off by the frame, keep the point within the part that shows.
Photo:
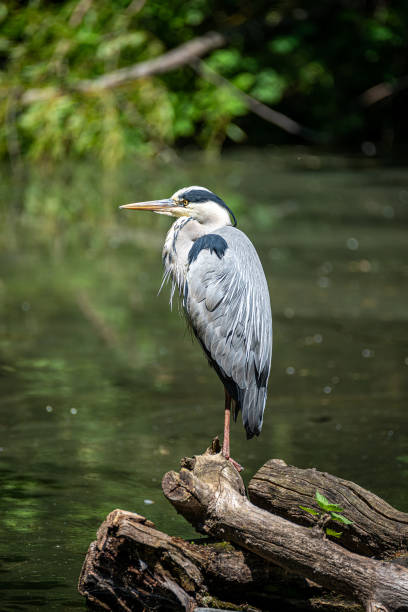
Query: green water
(102,390)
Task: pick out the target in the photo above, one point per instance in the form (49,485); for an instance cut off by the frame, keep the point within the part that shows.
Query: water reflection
(102,390)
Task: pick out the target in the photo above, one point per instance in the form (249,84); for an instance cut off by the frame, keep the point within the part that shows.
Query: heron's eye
(183,202)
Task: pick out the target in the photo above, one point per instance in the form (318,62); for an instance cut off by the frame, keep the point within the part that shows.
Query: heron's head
(196,202)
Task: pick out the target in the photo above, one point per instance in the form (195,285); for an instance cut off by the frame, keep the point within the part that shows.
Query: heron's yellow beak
(155,205)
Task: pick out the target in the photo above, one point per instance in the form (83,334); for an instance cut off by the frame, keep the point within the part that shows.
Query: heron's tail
(252,403)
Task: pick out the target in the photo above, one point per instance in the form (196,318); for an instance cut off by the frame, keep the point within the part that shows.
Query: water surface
(102,389)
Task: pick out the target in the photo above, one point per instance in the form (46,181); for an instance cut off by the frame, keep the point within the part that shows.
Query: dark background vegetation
(317,62)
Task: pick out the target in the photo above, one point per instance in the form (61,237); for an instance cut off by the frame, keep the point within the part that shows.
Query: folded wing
(228,307)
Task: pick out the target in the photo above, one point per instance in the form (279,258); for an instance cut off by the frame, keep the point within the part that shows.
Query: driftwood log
(133,566)
(378,529)
(261,558)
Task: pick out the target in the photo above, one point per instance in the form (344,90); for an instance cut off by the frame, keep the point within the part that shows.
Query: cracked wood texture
(133,566)
(210,494)
(378,529)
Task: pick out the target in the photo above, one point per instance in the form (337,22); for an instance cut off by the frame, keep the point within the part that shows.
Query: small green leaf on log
(335,534)
(340,519)
(325,504)
(309,510)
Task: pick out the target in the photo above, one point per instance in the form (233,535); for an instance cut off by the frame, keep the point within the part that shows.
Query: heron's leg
(227,420)
(226,442)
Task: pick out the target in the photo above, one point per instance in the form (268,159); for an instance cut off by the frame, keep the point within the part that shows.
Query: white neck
(179,240)
(211,216)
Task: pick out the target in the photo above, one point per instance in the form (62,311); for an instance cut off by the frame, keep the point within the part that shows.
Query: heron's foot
(236,465)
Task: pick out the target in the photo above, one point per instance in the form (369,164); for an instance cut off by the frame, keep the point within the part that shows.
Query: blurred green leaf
(111,48)
(380,33)
(194,16)
(284,44)
(269,86)
(3,11)
(244,81)
(235,132)
(225,60)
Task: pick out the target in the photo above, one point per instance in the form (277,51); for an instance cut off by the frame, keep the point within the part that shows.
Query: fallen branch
(382,90)
(166,62)
(258,108)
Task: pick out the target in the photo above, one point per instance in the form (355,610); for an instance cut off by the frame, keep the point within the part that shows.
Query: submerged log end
(129,566)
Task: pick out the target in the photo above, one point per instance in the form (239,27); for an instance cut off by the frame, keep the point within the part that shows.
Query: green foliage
(269,86)
(341,519)
(335,534)
(310,62)
(331,512)
(226,61)
(310,510)
(325,504)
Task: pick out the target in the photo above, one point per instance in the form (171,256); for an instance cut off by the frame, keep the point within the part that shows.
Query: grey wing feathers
(228,308)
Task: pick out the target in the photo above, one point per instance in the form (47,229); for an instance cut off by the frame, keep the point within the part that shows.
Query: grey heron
(224,295)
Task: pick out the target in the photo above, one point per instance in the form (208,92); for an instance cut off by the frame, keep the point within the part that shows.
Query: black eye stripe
(201,195)
(195,196)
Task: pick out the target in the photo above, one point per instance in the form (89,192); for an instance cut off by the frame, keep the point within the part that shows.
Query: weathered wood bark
(133,566)
(210,494)
(378,529)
